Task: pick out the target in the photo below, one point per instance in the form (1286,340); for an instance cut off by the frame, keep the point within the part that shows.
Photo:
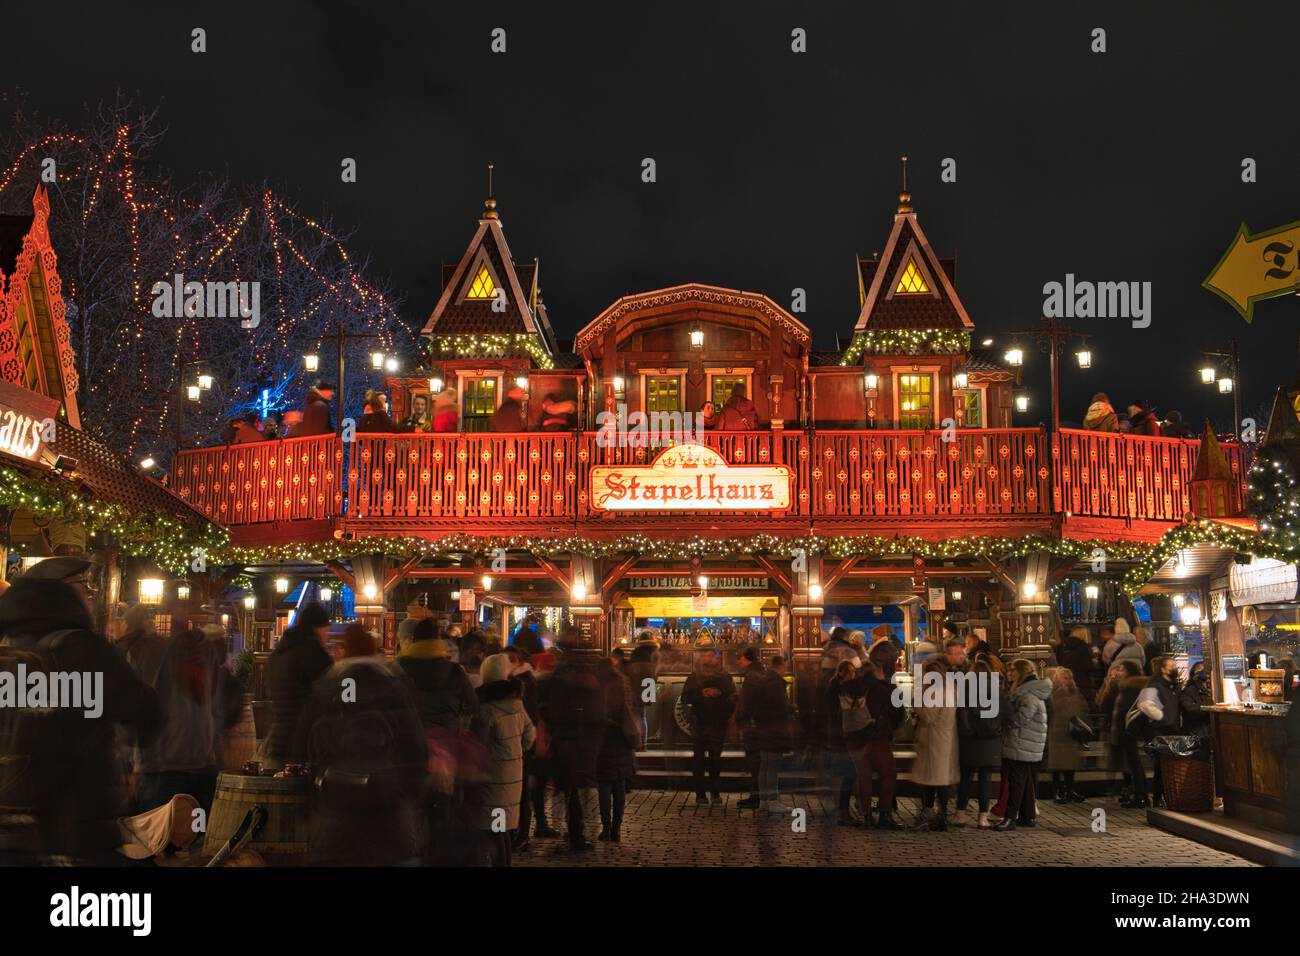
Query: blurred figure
(446,416)
(361,734)
(1024,739)
(979,747)
(1194,698)
(521,670)
(504,728)
(884,651)
(1101,416)
(142,648)
(1175,427)
(183,758)
(247,430)
(376,417)
(642,671)
(539,663)
(1142,419)
(1075,653)
(763,714)
(937,768)
(839,766)
(616,762)
(559,414)
(1123,646)
(739,414)
(710,692)
(62,786)
(299,658)
(1064,758)
(1154,714)
(316,418)
(573,706)
(473,648)
(869,737)
(509,416)
(1116,697)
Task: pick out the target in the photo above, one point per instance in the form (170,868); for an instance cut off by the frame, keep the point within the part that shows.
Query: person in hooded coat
(979,736)
(361,735)
(299,658)
(1101,415)
(937,767)
(1023,742)
(1142,419)
(1123,646)
(316,418)
(573,707)
(502,725)
(1075,652)
(739,414)
(616,763)
(62,784)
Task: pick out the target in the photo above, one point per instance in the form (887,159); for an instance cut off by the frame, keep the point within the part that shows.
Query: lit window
(479,404)
(911,282)
(663,394)
(915,401)
(482,287)
(724,385)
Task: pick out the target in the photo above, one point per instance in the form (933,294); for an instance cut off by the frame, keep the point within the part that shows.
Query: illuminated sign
(690,478)
(26,421)
(683,583)
(1263,581)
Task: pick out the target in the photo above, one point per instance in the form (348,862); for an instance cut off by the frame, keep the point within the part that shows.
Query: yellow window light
(482,287)
(911,282)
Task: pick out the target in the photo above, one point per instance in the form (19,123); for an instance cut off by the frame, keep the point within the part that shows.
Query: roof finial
(490,206)
(904,197)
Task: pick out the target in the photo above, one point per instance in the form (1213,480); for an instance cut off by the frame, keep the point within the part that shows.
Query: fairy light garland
(906,342)
(491,345)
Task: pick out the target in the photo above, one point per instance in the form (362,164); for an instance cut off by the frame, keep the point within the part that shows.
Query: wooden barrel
(283,841)
(240,741)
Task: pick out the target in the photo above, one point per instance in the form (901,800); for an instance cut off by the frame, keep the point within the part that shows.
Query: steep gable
(907,286)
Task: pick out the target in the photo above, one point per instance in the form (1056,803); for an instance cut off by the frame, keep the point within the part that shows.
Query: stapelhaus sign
(26,422)
(690,478)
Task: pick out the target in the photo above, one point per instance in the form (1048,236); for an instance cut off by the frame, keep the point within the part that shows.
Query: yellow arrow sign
(1257,267)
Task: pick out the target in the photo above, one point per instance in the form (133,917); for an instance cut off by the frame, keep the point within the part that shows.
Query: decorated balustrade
(460,480)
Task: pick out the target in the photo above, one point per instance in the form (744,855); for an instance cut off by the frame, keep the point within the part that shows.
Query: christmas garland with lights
(906,342)
(491,345)
(1201,532)
(167,540)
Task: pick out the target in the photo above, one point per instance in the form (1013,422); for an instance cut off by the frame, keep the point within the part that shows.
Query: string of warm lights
(1275,499)
(905,342)
(491,345)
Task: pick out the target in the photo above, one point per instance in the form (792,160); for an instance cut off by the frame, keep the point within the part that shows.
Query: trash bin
(1185,772)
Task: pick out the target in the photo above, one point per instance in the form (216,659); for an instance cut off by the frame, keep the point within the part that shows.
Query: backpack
(855,716)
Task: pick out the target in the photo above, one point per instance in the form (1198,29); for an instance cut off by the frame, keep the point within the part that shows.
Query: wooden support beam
(342,573)
(555,574)
(996,570)
(830,580)
(617,572)
(776,574)
(399,572)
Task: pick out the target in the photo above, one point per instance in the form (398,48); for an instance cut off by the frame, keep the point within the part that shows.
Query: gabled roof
(457,315)
(885,307)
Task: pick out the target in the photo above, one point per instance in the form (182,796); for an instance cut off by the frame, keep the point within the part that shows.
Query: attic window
(911,282)
(482,287)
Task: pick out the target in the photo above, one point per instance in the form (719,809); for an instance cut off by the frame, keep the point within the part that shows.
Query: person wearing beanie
(1123,646)
(507,733)
(298,659)
(443,693)
(75,788)
(361,735)
(884,651)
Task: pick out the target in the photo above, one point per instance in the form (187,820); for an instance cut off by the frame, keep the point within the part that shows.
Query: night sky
(774,168)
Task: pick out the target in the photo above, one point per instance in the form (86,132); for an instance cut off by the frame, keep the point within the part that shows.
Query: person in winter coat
(1075,653)
(521,669)
(616,762)
(316,418)
(642,671)
(869,737)
(1023,742)
(937,768)
(246,431)
(979,736)
(446,416)
(361,735)
(884,651)
(573,707)
(142,648)
(62,784)
(376,417)
(182,759)
(1101,415)
(1142,419)
(1123,646)
(739,414)
(1154,713)
(298,659)
(1175,427)
(837,651)
(763,716)
(444,698)
(1064,758)
(1118,693)
(711,695)
(1194,698)
(502,725)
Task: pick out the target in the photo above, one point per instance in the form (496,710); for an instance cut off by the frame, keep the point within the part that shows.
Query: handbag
(1081,730)
(854,714)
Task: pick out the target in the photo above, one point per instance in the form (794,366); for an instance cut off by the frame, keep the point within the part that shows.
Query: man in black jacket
(763,714)
(711,694)
(61,766)
(298,660)
(1075,652)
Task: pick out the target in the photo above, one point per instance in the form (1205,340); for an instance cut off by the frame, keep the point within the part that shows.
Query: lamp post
(193,392)
(1209,376)
(1051,336)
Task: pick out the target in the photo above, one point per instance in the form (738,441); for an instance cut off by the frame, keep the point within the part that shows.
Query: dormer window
(911,282)
(482,286)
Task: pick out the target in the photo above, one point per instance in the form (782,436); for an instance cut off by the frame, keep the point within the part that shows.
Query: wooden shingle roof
(883,307)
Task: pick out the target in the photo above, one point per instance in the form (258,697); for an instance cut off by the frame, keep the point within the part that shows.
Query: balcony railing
(461,479)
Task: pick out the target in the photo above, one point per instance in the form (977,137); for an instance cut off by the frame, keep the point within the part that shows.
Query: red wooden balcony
(993,480)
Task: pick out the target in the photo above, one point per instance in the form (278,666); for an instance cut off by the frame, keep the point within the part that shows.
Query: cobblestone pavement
(667,828)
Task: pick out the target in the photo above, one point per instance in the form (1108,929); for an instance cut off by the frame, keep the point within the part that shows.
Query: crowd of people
(1140,418)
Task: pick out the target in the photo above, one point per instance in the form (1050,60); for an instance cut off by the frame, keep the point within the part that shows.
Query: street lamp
(1225,386)
(250,602)
(281,585)
(1084,358)
(205,382)
(377,359)
(390,364)
(1052,337)
(193,393)
(311,362)
(1014,357)
(147,464)
(1230,382)
(1208,375)
(435,385)
(326,594)
(151,590)
(183,592)
(697,338)
(1022,402)
(960,380)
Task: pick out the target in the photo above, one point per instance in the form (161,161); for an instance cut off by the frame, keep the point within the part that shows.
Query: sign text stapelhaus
(690,478)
